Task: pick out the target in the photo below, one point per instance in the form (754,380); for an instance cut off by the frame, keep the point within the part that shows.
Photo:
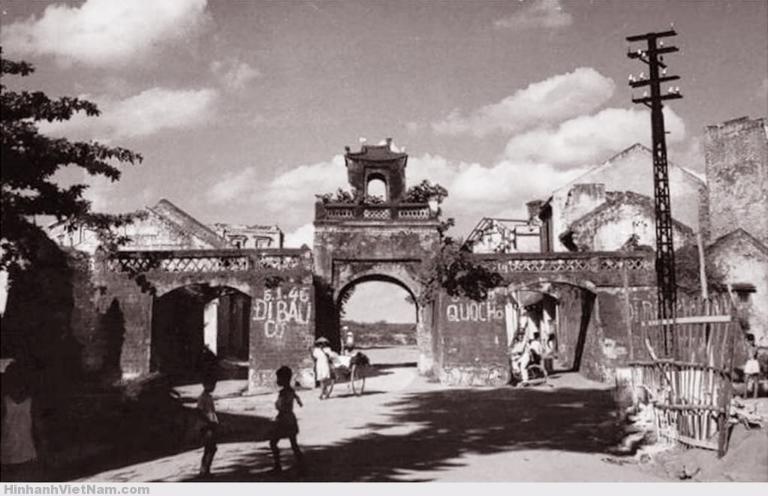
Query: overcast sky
(242,109)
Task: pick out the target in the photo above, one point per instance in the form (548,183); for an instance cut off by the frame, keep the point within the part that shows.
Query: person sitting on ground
(207,410)
(322,367)
(286,424)
(531,355)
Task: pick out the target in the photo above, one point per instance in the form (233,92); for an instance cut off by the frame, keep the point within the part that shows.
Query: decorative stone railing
(374,212)
(234,260)
(567,262)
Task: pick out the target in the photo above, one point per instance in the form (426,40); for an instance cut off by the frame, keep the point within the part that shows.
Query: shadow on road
(112,431)
(444,425)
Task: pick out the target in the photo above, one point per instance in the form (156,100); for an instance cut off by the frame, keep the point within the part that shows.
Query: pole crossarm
(650,99)
(647,82)
(649,36)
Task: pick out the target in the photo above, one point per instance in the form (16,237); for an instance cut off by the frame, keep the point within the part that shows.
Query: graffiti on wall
(280,307)
(463,310)
(640,307)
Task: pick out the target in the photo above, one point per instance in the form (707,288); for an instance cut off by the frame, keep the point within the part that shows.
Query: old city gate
(358,241)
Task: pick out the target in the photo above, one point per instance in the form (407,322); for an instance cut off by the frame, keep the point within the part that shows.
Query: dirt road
(405,428)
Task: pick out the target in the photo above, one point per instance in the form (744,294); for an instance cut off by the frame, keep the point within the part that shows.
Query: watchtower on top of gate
(360,237)
(374,163)
(377,162)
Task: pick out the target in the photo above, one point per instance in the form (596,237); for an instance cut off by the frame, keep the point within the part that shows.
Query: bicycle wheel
(537,374)
(357,379)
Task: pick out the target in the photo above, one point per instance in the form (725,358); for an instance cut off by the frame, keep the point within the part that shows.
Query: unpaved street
(405,428)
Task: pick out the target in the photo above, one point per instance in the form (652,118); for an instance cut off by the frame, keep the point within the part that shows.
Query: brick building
(164,226)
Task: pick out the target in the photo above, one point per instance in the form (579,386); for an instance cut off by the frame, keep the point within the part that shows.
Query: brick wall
(473,342)
(282,332)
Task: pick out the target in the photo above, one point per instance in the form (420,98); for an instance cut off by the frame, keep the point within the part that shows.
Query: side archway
(189,318)
(563,311)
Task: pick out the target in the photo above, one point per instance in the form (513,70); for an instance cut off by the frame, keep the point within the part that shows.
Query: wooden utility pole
(652,55)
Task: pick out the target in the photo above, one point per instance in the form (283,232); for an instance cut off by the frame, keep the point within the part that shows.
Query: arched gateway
(269,305)
(365,239)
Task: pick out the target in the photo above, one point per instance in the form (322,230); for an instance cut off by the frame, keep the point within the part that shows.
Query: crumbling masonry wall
(736,154)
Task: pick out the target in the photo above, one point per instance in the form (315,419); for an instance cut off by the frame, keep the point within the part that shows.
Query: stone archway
(567,310)
(368,240)
(189,317)
(401,346)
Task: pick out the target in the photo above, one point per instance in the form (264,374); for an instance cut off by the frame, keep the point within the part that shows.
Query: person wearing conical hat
(322,366)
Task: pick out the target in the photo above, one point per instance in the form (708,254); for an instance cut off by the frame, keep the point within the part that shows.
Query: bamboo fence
(689,371)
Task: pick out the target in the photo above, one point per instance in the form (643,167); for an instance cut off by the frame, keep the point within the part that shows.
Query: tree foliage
(453,270)
(30,160)
(425,191)
(420,193)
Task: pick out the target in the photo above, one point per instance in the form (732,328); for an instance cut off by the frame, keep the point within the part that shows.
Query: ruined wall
(736,154)
(568,204)
(125,311)
(593,334)
(610,229)
(739,259)
(473,341)
(282,333)
(632,170)
(282,316)
(373,242)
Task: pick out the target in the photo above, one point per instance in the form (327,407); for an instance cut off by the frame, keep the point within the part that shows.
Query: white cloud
(233,186)
(537,14)
(303,235)
(146,113)
(234,74)
(300,184)
(289,196)
(105,32)
(589,138)
(552,100)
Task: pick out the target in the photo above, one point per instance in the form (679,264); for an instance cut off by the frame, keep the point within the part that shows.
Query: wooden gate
(689,369)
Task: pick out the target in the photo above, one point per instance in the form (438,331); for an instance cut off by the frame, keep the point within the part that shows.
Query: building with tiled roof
(627,171)
(164,226)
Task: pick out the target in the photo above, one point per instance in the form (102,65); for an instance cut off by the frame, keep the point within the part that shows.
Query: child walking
(285,423)
(207,410)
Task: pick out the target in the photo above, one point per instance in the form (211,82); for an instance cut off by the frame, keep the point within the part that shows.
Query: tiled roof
(376,153)
(739,233)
